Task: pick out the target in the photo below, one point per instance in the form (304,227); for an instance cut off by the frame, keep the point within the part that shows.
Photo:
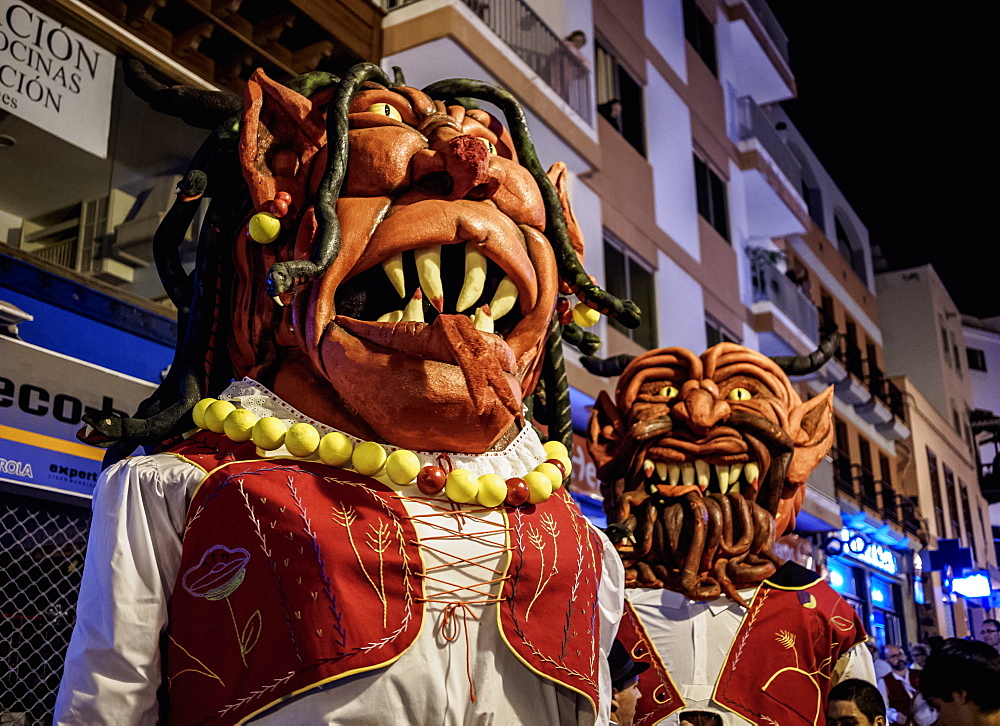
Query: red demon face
(427,328)
(705,459)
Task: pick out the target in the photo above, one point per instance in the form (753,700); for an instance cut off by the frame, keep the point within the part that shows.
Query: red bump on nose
(468,163)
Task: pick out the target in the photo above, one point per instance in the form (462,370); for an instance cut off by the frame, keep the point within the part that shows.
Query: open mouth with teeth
(419,285)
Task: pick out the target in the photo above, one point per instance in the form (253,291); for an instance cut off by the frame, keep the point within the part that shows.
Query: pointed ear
(279,136)
(605,436)
(811,428)
(559,177)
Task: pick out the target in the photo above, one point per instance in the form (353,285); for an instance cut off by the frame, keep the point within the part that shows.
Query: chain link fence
(42,548)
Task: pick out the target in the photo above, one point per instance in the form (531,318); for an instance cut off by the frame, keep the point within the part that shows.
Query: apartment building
(982,351)
(924,358)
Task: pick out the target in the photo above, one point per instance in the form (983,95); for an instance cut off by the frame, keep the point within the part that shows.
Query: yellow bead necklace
(401,467)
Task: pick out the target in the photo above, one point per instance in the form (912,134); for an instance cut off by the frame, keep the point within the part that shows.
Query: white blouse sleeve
(611,601)
(113,662)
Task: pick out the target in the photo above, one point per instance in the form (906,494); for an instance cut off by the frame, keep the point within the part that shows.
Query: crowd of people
(951,682)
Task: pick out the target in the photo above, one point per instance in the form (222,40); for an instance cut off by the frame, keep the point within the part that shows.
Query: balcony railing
(866,486)
(842,477)
(850,356)
(890,507)
(910,513)
(536,44)
(770,284)
(754,124)
(771,25)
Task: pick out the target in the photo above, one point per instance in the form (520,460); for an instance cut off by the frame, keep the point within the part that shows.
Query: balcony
(890,506)
(774,292)
(760,47)
(771,174)
(866,485)
(842,476)
(852,389)
(535,43)
(989,481)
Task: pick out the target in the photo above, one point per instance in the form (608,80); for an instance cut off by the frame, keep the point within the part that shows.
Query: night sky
(893,98)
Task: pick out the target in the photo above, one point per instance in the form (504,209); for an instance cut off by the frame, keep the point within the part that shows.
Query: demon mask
(386,259)
(704,461)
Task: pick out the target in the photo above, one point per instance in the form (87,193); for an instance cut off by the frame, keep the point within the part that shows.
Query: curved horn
(195,106)
(800,365)
(606,367)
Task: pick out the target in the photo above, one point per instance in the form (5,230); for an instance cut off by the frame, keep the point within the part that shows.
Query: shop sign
(862,549)
(54,78)
(583,479)
(43,396)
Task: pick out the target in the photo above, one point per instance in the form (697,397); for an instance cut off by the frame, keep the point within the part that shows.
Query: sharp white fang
(394,317)
(703,473)
(393,268)
(674,471)
(277,301)
(722,471)
(751,472)
(483,320)
(734,488)
(504,299)
(415,308)
(475,278)
(734,474)
(661,470)
(687,474)
(429,273)
(648,467)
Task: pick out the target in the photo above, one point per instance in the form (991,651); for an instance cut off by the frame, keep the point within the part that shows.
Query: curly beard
(700,546)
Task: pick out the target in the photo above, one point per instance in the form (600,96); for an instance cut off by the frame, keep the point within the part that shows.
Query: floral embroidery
(217,576)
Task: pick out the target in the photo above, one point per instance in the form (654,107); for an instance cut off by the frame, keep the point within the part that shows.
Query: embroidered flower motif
(219,573)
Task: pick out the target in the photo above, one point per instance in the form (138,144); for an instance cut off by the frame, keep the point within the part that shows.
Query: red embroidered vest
(778,667)
(295,574)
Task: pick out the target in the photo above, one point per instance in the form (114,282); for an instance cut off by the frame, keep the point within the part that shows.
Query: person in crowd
(855,702)
(625,691)
(899,688)
(881,665)
(918,654)
(962,680)
(990,632)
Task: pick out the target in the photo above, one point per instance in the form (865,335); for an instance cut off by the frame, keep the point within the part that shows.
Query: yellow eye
(489,145)
(667,392)
(385,109)
(739,394)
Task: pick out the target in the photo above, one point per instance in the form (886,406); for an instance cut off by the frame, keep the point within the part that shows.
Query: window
(932,465)
(619,98)
(950,492)
(628,278)
(716,332)
(970,538)
(711,197)
(944,342)
(850,249)
(976,359)
(700,33)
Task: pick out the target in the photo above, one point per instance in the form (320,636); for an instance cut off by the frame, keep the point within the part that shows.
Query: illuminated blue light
(836,580)
(974,584)
(918,591)
(878,596)
(871,553)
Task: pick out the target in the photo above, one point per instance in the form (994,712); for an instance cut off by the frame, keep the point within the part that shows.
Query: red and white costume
(303,593)
(772,663)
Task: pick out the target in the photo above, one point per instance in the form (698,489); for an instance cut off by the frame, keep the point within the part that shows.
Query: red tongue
(483,372)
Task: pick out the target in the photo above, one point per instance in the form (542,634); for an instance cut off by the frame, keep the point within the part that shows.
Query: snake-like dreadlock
(201,367)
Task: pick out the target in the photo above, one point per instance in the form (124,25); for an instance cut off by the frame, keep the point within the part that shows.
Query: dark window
(850,249)
(716,333)
(932,465)
(976,358)
(711,197)
(627,278)
(949,490)
(944,342)
(970,538)
(700,33)
(814,203)
(619,98)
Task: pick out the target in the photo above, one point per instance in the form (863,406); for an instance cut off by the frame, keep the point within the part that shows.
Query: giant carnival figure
(349,516)
(704,460)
